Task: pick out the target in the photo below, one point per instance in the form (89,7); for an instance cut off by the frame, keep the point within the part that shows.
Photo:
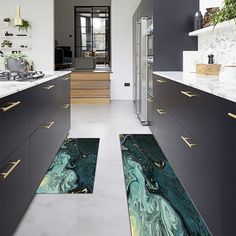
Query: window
(92,33)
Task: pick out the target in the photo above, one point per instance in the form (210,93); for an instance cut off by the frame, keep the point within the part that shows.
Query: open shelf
(210,29)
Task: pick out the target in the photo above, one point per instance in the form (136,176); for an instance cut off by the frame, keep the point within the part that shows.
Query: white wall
(122,39)
(40,14)
(209,3)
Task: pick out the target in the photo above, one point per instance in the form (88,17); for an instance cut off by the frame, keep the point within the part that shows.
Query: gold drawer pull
(14,165)
(66,106)
(189,94)
(161,111)
(10,106)
(67,78)
(186,140)
(50,124)
(149,100)
(232,115)
(161,81)
(49,87)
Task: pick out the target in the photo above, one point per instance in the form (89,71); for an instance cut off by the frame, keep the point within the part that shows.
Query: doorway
(92,36)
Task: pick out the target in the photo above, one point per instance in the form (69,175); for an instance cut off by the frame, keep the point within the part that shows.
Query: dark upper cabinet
(173,20)
(14,189)
(197,133)
(14,116)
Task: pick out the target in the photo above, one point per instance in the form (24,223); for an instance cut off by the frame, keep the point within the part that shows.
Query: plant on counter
(17,62)
(25,26)
(226,13)
(16,56)
(6,43)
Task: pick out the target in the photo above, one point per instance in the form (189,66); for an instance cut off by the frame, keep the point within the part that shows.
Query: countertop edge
(210,85)
(11,88)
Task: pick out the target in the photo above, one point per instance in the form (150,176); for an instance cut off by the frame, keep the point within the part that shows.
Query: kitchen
(175,136)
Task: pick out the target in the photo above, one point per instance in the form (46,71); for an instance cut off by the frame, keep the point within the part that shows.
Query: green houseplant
(16,62)
(6,43)
(25,26)
(226,13)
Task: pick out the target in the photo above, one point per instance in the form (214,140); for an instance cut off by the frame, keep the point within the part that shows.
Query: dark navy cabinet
(33,125)
(197,133)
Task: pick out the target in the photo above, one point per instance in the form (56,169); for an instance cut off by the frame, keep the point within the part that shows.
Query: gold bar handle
(66,106)
(67,78)
(50,124)
(161,81)
(186,140)
(14,165)
(189,94)
(10,106)
(232,115)
(161,111)
(49,87)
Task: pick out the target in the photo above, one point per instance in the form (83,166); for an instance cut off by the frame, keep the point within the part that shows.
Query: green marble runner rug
(73,169)
(157,202)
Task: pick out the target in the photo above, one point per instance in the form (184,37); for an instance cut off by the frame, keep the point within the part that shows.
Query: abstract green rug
(157,202)
(73,169)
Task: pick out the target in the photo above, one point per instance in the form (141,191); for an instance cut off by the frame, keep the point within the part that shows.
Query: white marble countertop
(11,87)
(210,84)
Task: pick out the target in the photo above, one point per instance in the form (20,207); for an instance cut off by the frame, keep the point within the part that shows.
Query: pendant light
(18,20)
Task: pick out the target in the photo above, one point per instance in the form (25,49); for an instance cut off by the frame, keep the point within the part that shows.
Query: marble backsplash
(221,42)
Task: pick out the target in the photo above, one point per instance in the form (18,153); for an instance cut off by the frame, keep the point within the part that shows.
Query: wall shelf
(210,29)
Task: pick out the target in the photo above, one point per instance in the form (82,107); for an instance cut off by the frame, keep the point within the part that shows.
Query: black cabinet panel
(185,116)
(150,112)
(14,189)
(43,103)
(14,122)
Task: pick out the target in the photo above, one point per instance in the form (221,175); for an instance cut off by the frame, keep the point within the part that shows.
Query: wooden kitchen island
(90,87)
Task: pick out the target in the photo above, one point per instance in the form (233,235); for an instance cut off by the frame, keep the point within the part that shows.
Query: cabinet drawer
(14,117)
(45,143)
(203,115)
(14,189)
(90,84)
(90,93)
(43,103)
(196,168)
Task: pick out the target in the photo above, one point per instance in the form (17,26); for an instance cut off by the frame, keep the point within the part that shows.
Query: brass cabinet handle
(232,115)
(49,87)
(67,78)
(9,106)
(14,165)
(186,140)
(189,94)
(161,81)
(49,125)
(161,111)
(149,100)
(66,106)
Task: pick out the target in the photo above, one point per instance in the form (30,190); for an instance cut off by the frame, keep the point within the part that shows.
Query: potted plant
(6,43)
(16,62)
(7,21)
(25,26)
(226,13)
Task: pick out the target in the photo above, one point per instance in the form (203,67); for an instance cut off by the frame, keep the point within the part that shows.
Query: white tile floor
(103,213)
